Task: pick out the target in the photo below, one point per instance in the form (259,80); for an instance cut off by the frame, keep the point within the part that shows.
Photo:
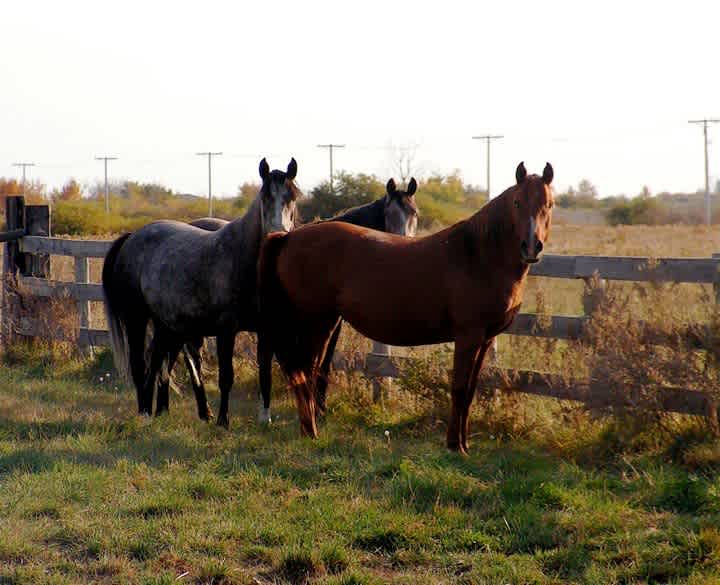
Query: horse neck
(493,236)
(247,229)
(370,215)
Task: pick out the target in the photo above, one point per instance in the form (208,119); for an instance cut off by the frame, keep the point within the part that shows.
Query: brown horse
(463,284)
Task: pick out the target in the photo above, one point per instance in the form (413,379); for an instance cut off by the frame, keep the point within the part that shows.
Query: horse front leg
(225,347)
(472,387)
(264,356)
(193,362)
(466,351)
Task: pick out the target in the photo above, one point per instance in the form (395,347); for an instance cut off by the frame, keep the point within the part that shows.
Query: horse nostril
(538,247)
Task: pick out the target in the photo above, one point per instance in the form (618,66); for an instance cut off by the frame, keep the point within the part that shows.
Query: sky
(602,90)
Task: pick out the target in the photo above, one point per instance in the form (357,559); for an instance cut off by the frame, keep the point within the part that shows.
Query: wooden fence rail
(33,278)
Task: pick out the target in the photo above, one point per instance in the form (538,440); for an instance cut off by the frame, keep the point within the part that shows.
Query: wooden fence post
(37,223)
(716,284)
(14,220)
(82,271)
(381,385)
(593,294)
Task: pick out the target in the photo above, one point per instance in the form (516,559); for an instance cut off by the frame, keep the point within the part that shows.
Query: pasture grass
(91,492)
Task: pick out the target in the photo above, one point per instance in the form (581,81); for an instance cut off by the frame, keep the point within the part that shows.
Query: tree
(586,195)
(350,191)
(403,160)
(70,191)
(116,188)
(248,190)
(34,190)
(152,192)
(444,188)
(586,190)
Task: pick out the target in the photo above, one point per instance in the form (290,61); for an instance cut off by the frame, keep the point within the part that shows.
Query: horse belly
(404,323)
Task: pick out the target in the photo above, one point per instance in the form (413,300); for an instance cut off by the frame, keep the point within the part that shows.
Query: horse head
(279,194)
(401,212)
(531,211)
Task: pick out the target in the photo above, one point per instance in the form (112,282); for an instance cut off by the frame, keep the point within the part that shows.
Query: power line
(105,160)
(487,138)
(330,148)
(209,156)
(23,165)
(705,122)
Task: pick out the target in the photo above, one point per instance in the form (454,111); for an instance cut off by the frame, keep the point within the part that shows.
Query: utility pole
(488,138)
(23,165)
(105,160)
(705,122)
(330,148)
(209,156)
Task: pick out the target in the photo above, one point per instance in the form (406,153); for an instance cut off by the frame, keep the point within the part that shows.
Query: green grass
(90,492)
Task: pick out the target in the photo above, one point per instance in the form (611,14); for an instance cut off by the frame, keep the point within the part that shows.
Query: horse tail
(277,318)
(113,310)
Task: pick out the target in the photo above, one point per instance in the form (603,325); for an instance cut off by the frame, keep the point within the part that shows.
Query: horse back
(388,287)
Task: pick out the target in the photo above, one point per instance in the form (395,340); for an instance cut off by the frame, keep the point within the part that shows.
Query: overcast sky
(603,90)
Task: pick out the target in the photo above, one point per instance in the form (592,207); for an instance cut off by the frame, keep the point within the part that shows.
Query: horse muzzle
(531,256)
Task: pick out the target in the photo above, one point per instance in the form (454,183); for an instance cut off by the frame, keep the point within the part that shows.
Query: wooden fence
(28,248)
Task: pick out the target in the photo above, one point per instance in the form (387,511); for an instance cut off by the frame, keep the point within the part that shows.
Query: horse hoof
(264,417)
(457,448)
(223,422)
(309,433)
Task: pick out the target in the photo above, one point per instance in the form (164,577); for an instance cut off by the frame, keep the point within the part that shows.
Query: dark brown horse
(463,284)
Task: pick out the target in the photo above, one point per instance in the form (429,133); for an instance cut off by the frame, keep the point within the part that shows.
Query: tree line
(442,199)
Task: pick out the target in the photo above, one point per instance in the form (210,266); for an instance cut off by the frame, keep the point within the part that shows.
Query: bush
(639,210)
(88,216)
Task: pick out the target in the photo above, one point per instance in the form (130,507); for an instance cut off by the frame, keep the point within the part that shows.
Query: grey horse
(191,283)
(396,212)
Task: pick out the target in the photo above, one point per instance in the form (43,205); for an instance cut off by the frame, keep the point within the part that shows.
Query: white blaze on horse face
(532,237)
(279,217)
(400,221)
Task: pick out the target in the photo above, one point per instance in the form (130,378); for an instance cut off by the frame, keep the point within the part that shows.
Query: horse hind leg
(323,378)
(193,361)
(163,394)
(138,364)
(305,384)
(158,359)
(303,387)
(264,353)
(225,347)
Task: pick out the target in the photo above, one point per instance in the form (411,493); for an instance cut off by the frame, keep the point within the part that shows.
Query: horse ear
(264,169)
(548,174)
(520,172)
(391,188)
(412,187)
(292,169)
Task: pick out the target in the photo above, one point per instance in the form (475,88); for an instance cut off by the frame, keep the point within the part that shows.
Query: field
(550,493)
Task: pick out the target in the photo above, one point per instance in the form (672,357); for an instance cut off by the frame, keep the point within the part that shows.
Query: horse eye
(550,205)
(517,203)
